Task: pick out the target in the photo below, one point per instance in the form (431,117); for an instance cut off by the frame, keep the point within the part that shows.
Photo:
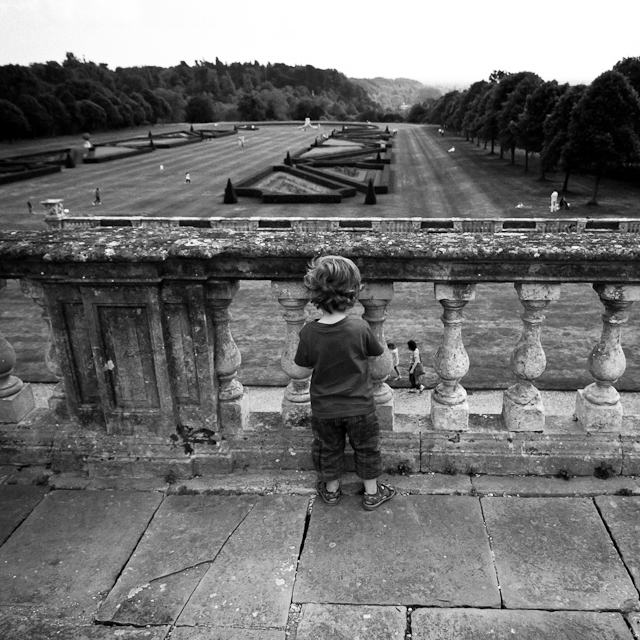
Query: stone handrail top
(265,254)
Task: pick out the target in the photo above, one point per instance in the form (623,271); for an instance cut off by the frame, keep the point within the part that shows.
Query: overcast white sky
(445,41)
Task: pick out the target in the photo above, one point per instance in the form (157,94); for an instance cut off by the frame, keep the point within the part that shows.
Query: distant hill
(393,94)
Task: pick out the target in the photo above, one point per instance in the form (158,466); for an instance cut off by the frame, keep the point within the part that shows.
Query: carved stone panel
(129,356)
(72,342)
(190,354)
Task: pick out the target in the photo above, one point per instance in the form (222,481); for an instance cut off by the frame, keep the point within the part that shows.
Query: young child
(415,368)
(337,347)
(396,358)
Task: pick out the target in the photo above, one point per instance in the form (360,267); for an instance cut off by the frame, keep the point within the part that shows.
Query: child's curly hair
(333,282)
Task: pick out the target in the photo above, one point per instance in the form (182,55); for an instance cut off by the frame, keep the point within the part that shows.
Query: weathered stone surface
(213,633)
(476,452)
(342,622)
(556,554)
(421,550)
(70,550)
(249,584)
(15,407)
(622,515)
(474,624)
(184,537)
(633,619)
(538,486)
(16,503)
(15,627)
(578,454)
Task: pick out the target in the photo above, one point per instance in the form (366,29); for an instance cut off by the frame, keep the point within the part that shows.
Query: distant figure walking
(30,206)
(554,202)
(161,167)
(96,197)
(187,178)
(241,141)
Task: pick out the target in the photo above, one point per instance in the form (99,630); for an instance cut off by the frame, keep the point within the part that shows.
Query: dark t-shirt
(338,354)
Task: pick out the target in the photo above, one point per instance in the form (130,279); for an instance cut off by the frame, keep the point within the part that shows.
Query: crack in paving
(493,555)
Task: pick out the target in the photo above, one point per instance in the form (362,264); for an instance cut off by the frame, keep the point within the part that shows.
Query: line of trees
(50,98)
(594,128)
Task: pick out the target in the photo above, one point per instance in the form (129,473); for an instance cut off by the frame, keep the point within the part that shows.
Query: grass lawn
(429,182)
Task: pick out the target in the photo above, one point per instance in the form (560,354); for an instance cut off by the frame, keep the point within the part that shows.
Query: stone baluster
(522,407)
(32,289)
(598,406)
(375,298)
(296,405)
(233,404)
(449,405)
(16,397)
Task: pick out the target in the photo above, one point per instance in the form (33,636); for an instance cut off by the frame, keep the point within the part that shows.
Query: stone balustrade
(147,363)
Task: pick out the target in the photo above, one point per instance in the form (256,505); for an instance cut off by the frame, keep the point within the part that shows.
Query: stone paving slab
(633,620)
(16,503)
(184,537)
(249,585)
(484,624)
(67,554)
(413,550)
(206,633)
(16,627)
(344,622)
(556,554)
(534,486)
(622,515)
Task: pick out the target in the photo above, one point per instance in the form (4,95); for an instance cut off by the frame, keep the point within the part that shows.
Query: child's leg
(364,436)
(327,451)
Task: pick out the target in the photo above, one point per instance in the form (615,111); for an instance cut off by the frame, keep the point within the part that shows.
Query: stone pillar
(449,405)
(375,298)
(598,406)
(32,289)
(233,404)
(296,404)
(522,407)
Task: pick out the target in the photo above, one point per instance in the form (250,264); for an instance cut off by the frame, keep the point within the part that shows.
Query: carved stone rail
(141,343)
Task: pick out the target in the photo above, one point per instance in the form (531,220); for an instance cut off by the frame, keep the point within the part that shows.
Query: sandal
(330,497)
(383,493)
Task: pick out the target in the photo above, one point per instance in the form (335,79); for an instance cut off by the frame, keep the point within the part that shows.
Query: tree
(92,115)
(13,124)
(40,122)
(530,124)
(251,106)
(62,122)
(200,109)
(630,68)
(418,113)
(602,133)
(556,132)
(308,108)
(518,87)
